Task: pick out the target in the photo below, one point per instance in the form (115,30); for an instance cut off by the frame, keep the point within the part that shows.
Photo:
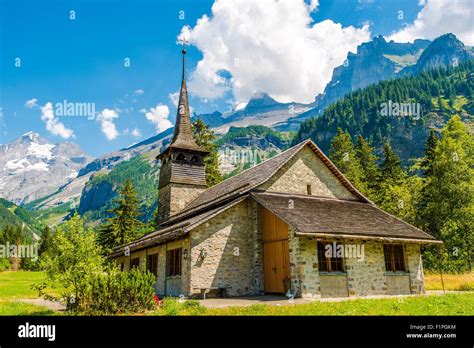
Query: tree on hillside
(124,226)
(46,241)
(368,164)
(449,194)
(396,192)
(205,137)
(427,162)
(391,169)
(343,155)
(427,170)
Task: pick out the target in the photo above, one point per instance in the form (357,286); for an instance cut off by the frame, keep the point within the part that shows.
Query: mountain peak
(30,136)
(445,50)
(31,167)
(260,99)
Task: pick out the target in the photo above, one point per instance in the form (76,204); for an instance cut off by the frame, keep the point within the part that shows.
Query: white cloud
(438,17)
(268,46)
(136,133)
(174,98)
(159,117)
(53,125)
(30,104)
(106,119)
(139,92)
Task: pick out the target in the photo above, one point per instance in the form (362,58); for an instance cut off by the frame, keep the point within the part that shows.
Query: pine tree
(391,165)
(46,241)
(427,163)
(343,155)
(124,226)
(205,137)
(368,164)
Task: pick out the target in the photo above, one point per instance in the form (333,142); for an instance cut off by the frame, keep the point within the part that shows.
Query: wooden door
(276,256)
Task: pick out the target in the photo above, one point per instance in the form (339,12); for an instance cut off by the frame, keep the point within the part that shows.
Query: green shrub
(114,292)
(81,277)
(4,264)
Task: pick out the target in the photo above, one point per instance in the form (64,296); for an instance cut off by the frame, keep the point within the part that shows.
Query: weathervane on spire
(184,42)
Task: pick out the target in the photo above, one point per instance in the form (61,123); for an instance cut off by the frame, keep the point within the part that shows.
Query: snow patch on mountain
(31,167)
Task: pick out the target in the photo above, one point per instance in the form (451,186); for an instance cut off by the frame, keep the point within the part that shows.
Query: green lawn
(449,304)
(16,285)
(20,308)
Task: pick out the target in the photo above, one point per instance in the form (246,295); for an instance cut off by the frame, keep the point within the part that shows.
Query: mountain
(239,128)
(428,100)
(375,61)
(16,216)
(379,60)
(31,167)
(57,205)
(244,147)
(443,51)
(98,194)
(261,110)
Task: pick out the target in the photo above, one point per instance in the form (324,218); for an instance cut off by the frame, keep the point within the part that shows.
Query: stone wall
(366,276)
(174,197)
(232,252)
(415,267)
(333,285)
(307,168)
(398,284)
(303,266)
(363,276)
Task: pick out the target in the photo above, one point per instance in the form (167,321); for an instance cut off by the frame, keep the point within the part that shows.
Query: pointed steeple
(183,136)
(183,168)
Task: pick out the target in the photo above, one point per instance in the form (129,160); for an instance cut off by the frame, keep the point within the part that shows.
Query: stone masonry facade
(362,277)
(226,251)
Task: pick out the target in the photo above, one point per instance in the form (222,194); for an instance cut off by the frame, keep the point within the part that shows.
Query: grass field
(17,285)
(459,282)
(449,304)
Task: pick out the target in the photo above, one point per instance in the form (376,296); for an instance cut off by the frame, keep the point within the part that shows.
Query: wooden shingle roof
(176,230)
(335,217)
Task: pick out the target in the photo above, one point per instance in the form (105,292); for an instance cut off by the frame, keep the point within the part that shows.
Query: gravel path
(55,306)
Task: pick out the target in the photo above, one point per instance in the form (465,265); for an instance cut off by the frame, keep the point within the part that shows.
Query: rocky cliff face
(445,50)
(31,167)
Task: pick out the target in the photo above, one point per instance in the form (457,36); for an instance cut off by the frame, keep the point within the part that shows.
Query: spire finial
(184,42)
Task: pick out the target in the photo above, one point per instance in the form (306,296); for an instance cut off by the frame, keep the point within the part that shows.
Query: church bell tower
(183,173)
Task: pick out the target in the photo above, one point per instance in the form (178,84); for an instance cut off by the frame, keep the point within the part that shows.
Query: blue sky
(82,60)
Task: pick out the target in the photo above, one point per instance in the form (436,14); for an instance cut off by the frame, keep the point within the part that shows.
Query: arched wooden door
(276,255)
